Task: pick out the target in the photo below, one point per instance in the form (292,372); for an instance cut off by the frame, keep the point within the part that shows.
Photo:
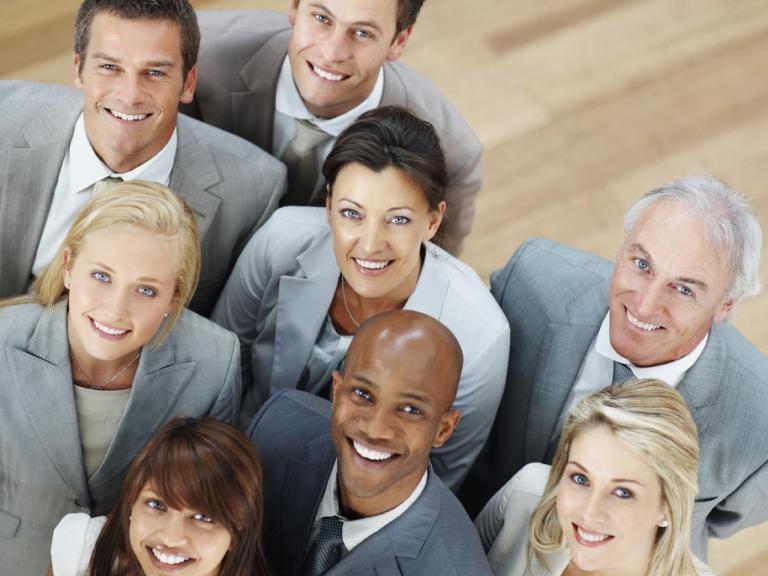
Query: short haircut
(407,11)
(180,12)
(392,136)
(730,225)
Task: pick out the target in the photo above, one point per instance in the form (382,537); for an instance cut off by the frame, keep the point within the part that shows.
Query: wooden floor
(582,106)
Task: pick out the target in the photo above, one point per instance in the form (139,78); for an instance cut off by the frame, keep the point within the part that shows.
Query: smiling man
(134,62)
(348,487)
(292,85)
(691,251)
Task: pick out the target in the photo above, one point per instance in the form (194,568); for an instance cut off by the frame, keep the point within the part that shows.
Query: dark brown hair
(392,136)
(196,463)
(407,11)
(180,12)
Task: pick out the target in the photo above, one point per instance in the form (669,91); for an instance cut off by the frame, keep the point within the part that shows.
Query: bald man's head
(391,406)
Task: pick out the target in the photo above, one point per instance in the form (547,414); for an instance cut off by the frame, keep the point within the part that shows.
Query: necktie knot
(300,158)
(622,374)
(105,184)
(326,551)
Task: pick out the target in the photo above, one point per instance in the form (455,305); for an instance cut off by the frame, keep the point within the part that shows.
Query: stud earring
(165,315)
(664,523)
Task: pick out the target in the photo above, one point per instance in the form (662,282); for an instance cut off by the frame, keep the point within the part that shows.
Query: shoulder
(244,26)
(293,229)
(74,539)
(36,93)
(200,336)
(309,417)
(529,481)
(47,106)
(18,321)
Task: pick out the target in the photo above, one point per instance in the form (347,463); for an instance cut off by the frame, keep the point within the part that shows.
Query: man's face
(337,49)
(390,409)
(132,81)
(667,288)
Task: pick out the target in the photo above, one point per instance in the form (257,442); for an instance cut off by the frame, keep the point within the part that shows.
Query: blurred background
(582,106)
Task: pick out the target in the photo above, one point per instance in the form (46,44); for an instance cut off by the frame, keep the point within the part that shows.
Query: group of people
(239,340)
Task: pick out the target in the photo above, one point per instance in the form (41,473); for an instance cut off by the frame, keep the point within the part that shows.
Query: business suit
(193,372)
(432,537)
(503,528)
(240,58)
(281,289)
(555,298)
(231,185)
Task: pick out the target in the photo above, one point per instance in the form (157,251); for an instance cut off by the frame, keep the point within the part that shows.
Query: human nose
(131,88)
(650,299)
(593,510)
(173,531)
(116,304)
(378,426)
(373,236)
(336,46)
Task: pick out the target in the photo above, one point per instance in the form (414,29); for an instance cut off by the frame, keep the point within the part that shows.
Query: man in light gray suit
(359,496)
(134,63)
(691,251)
(264,76)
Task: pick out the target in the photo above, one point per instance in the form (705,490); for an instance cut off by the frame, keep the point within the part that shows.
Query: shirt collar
(353,532)
(288,101)
(86,168)
(671,372)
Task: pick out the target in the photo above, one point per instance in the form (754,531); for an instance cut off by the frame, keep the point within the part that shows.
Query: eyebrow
(393,209)
(614,480)
(367,23)
(408,395)
(684,279)
(149,64)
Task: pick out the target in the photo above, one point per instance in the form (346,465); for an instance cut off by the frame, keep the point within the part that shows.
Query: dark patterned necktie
(622,374)
(326,551)
(300,158)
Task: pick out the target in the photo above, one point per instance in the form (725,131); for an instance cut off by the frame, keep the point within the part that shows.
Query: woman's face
(179,541)
(609,505)
(379,220)
(121,285)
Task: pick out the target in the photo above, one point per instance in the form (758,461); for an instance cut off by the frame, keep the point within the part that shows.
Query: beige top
(98,414)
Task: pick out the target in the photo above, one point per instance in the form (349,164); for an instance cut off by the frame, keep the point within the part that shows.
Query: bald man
(347,486)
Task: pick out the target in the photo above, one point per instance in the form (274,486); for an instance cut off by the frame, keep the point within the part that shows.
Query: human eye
(350,213)
(146,291)
(101,276)
(685,290)
(155,504)
(579,479)
(108,67)
(364,34)
(641,264)
(410,409)
(623,493)
(362,394)
(200,517)
(155,73)
(400,220)
(322,18)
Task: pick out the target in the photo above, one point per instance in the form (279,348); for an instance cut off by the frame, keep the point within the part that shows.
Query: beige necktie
(105,184)
(301,160)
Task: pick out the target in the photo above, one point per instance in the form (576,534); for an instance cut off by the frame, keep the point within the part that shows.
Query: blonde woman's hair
(146,205)
(652,418)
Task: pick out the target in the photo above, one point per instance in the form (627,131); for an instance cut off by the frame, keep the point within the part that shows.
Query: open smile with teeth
(108,329)
(591,537)
(647,326)
(167,558)
(326,75)
(128,117)
(369,453)
(372,264)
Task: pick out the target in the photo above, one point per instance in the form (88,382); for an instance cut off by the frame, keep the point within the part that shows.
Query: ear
(448,423)
(398,44)
(725,309)
(77,80)
(67,264)
(435,218)
(188,90)
(328,201)
(335,384)
(292,12)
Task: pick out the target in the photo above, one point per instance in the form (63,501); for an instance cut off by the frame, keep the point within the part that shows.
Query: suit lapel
(253,110)
(431,288)
(394,91)
(31,171)
(302,306)
(42,377)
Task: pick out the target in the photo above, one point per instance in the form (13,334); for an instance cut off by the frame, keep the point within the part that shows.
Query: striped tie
(622,374)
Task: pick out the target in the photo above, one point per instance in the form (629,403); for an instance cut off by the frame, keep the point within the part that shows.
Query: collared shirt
(597,369)
(353,532)
(81,169)
(290,105)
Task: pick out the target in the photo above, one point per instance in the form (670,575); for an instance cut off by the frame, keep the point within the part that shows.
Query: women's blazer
(194,372)
(281,289)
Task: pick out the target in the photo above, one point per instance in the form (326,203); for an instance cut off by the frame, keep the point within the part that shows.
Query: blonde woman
(617,500)
(98,358)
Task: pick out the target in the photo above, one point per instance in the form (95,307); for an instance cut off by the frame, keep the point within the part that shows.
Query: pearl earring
(664,523)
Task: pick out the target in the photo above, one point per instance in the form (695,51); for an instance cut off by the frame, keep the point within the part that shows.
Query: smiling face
(121,285)
(667,288)
(168,540)
(390,408)
(609,505)
(379,220)
(337,49)
(132,81)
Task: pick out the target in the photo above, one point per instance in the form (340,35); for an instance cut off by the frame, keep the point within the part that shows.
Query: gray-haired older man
(691,251)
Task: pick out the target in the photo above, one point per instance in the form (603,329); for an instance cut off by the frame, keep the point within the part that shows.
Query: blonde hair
(146,205)
(652,418)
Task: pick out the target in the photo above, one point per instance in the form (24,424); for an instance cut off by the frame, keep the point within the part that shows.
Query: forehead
(150,38)
(606,457)
(382,13)
(387,189)
(131,249)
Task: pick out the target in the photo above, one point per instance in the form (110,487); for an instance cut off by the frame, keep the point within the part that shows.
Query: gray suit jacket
(433,537)
(232,186)
(555,298)
(239,64)
(194,372)
(281,290)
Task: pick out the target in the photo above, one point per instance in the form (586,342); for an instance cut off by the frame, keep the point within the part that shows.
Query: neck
(630,569)
(92,372)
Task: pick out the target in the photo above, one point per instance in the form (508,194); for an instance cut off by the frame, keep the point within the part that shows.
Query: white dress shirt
(81,169)
(353,532)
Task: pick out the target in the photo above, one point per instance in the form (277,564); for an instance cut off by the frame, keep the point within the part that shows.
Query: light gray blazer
(240,58)
(232,186)
(281,290)
(194,372)
(555,298)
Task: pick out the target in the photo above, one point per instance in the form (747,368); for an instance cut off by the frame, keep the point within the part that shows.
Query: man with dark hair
(359,496)
(292,85)
(134,62)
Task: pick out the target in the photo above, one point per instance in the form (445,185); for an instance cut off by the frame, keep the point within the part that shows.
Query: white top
(81,169)
(596,371)
(73,541)
(354,532)
(289,105)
